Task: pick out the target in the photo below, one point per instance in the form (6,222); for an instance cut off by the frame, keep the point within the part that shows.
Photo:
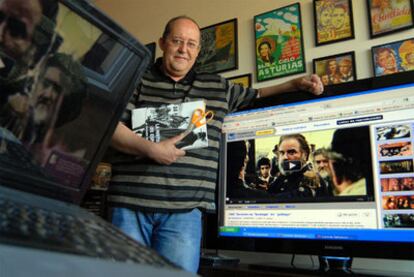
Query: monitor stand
(215,259)
(332,264)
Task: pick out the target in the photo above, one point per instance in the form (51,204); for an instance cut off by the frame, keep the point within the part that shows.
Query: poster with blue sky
(279,43)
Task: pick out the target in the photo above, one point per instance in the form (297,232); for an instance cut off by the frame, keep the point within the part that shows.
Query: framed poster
(333,21)
(389,16)
(151,47)
(245,80)
(279,43)
(393,57)
(218,51)
(336,69)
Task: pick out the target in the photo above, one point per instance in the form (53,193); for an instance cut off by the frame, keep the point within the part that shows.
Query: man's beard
(323,173)
(41,114)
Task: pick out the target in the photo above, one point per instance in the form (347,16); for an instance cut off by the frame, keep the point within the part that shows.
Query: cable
(292,261)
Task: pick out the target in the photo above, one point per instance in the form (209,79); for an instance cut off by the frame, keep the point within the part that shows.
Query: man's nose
(48,92)
(183,47)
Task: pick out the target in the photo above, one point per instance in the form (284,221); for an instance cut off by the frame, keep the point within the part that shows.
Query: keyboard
(15,155)
(26,225)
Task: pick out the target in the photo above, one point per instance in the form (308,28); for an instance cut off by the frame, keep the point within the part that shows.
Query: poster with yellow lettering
(333,21)
(279,43)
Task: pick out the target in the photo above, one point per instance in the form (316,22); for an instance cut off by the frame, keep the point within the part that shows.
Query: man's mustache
(44,101)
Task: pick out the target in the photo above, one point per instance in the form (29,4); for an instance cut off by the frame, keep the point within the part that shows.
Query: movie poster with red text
(388,16)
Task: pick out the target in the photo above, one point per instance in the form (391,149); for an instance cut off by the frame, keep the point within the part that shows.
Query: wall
(146,20)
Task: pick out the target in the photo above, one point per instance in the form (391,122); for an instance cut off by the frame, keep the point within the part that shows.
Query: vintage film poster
(218,51)
(244,80)
(389,16)
(393,57)
(279,43)
(336,69)
(333,21)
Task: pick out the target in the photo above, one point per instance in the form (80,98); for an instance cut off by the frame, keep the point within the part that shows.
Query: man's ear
(161,43)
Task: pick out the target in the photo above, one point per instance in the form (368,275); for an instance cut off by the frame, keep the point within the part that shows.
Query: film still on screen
(302,167)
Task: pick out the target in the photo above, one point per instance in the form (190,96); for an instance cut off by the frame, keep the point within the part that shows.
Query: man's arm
(164,152)
(312,84)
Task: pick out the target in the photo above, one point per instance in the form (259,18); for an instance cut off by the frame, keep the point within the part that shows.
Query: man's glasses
(15,26)
(178,42)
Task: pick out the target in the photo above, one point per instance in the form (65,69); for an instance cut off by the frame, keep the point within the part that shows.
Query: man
(296,178)
(321,161)
(332,71)
(26,32)
(61,77)
(19,19)
(345,71)
(158,200)
(237,161)
(338,17)
(274,162)
(264,178)
(350,161)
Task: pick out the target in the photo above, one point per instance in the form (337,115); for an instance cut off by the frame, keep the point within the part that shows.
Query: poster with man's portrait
(393,57)
(279,43)
(333,21)
(336,69)
(389,16)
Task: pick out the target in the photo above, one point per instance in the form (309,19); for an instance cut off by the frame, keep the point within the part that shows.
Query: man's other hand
(311,83)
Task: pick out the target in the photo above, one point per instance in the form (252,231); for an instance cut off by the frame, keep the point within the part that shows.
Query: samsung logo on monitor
(333,247)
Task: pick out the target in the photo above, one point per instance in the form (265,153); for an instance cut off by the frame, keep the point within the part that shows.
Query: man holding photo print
(158,191)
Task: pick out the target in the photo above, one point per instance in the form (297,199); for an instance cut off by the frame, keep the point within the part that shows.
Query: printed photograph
(389,16)
(159,123)
(279,43)
(393,57)
(333,21)
(336,69)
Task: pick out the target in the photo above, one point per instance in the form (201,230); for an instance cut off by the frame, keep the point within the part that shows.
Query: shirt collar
(188,79)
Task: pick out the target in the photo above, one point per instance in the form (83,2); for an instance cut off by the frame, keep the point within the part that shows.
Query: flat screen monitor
(328,176)
(66,73)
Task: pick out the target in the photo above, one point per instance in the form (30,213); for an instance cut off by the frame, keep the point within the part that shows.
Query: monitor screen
(325,175)
(66,73)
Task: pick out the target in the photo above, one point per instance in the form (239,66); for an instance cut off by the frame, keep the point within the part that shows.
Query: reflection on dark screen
(57,74)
